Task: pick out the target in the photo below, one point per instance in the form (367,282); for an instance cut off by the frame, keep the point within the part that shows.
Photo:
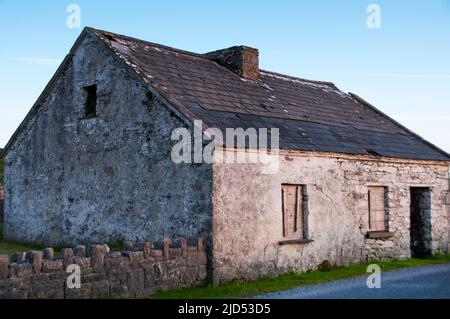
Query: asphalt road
(415,283)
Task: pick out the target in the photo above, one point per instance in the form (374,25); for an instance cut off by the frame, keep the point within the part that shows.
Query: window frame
(300,212)
(372,229)
(90,109)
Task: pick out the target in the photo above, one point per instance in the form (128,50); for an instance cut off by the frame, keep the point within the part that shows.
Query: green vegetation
(264,285)
(8,248)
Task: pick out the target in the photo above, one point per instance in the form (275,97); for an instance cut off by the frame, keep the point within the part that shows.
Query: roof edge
(45,92)
(183,114)
(373,108)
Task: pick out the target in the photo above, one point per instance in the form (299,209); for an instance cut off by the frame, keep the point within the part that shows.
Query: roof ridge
(161,46)
(204,55)
(298,78)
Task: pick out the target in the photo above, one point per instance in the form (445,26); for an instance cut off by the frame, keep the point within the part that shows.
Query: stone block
(133,256)
(192,258)
(84,292)
(135,282)
(4,267)
(175,252)
(14,288)
(189,275)
(52,265)
(20,270)
(80,251)
(18,257)
(83,262)
(101,289)
(47,289)
(35,259)
(202,273)
(47,253)
(97,258)
(67,256)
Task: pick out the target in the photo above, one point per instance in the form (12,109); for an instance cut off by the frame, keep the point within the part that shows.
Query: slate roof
(311,115)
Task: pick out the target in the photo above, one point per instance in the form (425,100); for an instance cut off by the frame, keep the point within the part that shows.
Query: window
(378,208)
(294,201)
(90,106)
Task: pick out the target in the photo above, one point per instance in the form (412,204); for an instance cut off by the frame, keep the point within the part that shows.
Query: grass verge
(8,248)
(264,285)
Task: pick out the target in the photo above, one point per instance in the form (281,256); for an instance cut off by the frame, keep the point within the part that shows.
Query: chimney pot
(242,60)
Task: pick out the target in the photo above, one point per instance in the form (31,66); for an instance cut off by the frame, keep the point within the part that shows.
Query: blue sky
(402,68)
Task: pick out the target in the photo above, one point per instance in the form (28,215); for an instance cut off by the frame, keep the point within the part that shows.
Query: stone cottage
(92,162)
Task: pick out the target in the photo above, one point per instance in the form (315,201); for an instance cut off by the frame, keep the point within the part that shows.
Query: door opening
(420,230)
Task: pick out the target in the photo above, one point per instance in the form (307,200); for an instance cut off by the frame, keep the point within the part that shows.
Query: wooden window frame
(371,228)
(301,211)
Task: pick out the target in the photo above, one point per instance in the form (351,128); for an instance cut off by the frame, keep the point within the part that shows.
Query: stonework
(72,180)
(76,179)
(337,187)
(137,272)
(1,202)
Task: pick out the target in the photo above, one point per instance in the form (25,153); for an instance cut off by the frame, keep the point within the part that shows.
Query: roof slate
(311,115)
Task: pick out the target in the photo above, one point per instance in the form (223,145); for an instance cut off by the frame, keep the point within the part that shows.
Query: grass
(10,247)
(264,285)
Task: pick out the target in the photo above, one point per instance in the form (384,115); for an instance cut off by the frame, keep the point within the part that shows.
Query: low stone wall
(138,270)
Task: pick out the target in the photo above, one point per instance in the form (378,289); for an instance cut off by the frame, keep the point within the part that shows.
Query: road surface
(415,283)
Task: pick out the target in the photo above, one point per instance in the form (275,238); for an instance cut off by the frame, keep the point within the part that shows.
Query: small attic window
(90,106)
(373,153)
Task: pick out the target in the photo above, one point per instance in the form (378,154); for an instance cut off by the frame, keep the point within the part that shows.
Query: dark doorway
(420,221)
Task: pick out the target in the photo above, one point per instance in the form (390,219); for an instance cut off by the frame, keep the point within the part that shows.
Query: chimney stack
(242,60)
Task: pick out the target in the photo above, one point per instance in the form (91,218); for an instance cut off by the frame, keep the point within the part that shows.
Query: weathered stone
(97,258)
(83,262)
(52,265)
(47,289)
(192,257)
(133,256)
(4,267)
(84,292)
(100,289)
(47,253)
(20,270)
(80,251)
(175,252)
(146,248)
(128,246)
(166,249)
(157,254)
(18,257)
(35,259)
(14,288)
(67,255)
(189,275)
(202,273)
(135,282)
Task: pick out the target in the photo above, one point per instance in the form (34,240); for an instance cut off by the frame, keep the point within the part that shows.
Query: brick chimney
(242,60)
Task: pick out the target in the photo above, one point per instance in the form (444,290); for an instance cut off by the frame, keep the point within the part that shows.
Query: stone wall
(71,179)
(338,226)
(138,271)
(1,202)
